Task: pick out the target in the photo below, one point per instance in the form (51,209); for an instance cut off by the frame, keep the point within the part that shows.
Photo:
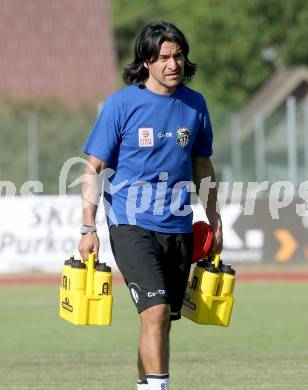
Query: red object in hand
(203,238)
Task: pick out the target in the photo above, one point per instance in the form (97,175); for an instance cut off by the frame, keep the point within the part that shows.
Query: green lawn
(265,347)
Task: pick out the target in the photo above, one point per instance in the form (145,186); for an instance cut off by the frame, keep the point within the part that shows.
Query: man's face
(166,73)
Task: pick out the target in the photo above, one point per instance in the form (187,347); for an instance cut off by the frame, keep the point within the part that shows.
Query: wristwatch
(87,229)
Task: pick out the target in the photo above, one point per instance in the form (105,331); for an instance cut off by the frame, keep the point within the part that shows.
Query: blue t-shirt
(147,141)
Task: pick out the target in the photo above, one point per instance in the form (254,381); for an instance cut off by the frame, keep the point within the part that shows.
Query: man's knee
(157,316)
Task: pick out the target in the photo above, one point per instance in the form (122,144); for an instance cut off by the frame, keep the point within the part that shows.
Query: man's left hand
(217,237)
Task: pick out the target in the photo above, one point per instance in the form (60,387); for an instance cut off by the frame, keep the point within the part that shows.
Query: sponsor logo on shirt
(164,134)
(182,136)
(146,138)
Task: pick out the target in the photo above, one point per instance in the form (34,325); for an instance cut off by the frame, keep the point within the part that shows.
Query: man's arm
(90,194)
(203,168)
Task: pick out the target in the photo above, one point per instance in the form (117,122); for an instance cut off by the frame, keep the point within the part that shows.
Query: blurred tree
(237,44)
(61,134)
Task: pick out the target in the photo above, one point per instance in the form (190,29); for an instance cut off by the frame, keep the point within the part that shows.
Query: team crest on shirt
(146,138)
(182,136)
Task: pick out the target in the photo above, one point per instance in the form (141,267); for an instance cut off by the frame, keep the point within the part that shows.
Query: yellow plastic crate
(208,298)
(85,308)
(207,309)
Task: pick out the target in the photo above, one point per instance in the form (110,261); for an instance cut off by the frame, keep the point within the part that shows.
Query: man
(155,137)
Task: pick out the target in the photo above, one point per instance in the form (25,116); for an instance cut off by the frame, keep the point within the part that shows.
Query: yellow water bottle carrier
(209,297)
(86,292)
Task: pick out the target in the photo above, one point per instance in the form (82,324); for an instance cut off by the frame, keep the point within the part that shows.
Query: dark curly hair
(147,48)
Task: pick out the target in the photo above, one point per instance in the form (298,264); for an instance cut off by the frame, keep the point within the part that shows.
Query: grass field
(265,347)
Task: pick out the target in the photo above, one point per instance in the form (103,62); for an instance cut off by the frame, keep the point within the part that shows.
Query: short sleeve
(104,138)
(203,146)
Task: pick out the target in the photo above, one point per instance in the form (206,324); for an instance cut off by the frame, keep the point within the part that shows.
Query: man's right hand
(89,243)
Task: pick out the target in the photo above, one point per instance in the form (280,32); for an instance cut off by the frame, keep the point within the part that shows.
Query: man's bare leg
(141,371)
(153,357)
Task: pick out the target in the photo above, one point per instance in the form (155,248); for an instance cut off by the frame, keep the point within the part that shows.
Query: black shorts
(155,265)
